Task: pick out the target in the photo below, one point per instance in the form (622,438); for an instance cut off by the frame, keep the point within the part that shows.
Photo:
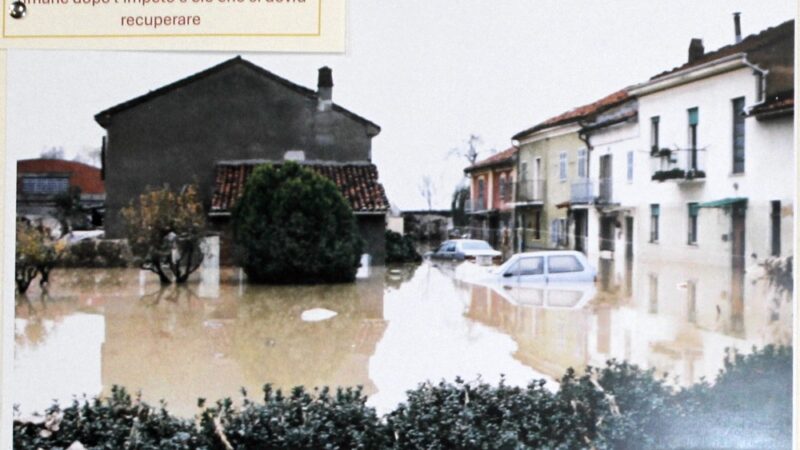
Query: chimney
(737,26)
(325,88)
(696,50)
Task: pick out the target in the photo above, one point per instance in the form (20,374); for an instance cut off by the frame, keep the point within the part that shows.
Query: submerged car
(467,249)
(534,268)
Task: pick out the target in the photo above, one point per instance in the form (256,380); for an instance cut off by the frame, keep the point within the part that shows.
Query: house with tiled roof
(41,180)
(490,206)
(553,188)
(718,131)
(213,127)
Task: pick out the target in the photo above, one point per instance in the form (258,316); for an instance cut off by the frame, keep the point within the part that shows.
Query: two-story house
(555,190)
(490,208)
(212,127)
(719,134)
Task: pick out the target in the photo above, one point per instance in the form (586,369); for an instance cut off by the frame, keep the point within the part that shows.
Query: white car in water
(533,268)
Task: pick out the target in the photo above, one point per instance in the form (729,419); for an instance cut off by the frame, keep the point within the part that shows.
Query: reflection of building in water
(675,318)
(177,346)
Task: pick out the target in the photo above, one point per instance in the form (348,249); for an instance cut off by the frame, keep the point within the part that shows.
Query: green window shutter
(694,116)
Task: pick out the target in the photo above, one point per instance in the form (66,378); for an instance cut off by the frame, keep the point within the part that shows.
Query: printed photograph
(518,225)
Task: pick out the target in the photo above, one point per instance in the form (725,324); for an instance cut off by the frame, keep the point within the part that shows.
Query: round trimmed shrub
(292,225)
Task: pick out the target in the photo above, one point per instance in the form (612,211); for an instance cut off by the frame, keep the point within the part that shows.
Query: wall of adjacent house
(176,138)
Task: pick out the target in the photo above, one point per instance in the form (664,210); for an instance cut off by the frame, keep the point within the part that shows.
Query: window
(531,266)
(523,171)
(693,210)
(537,225)
(655,211)
(775,218)
(45,185)
(693,118)
(562,166)
(629,172)
(563,264)
(654,134)
(738,135)
(527,266)
(502,187)
(481,188)
(582,163)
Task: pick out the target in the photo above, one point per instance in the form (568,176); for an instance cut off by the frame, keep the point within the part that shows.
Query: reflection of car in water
(465,249)
(550,295)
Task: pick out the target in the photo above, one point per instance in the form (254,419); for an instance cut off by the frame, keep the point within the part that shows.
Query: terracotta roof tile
(357,182)
(579,113)
(773,107)
(504,157)
(770,49)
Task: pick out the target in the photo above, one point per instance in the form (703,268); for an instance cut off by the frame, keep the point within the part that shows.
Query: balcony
(531,191)
(582,191)
(681,165)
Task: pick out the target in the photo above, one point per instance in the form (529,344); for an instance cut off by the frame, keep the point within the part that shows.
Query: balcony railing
(678,164)
(582,191)
(530,191)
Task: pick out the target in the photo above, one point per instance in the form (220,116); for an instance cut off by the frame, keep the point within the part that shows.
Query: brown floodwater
(392,329)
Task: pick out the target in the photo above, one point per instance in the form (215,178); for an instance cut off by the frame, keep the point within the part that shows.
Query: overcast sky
(429,72)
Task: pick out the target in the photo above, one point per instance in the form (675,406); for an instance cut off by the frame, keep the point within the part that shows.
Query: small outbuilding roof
(358,182)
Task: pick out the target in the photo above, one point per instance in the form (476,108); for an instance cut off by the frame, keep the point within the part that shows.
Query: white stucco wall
(768,176)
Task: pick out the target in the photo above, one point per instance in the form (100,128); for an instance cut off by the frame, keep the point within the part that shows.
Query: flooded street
(391,330)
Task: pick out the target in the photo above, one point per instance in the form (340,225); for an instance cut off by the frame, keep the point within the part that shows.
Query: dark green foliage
(400,249)
(114,423)
(618,406)
(301,420)
(293,225)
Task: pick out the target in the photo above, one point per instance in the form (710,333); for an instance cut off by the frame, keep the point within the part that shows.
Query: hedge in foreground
(618,406)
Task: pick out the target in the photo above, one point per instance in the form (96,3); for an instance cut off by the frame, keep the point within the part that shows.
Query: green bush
(619,406)
(400,249)
(293,225)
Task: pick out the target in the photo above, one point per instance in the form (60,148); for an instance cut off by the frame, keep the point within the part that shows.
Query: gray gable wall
(235,113)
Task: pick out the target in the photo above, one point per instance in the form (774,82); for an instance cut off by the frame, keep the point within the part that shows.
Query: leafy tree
(400,248)
(165,231)
(293,225)
(36,254)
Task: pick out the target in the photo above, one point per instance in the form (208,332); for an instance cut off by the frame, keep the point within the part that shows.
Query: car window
(563,264)
(476,245)
(531,266)
(451,247)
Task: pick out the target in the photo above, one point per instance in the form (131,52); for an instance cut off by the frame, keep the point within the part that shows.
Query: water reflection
(391,330)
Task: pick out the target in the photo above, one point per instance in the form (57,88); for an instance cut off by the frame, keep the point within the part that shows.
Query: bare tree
(427,189)
(469,151)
